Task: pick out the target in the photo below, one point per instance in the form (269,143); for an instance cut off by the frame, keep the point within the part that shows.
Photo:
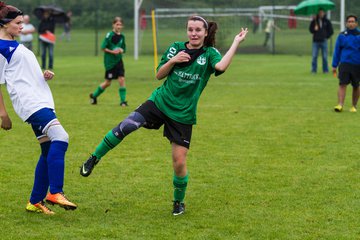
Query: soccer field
(269,159)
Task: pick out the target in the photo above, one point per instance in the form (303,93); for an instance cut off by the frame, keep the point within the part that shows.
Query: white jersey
(24,79)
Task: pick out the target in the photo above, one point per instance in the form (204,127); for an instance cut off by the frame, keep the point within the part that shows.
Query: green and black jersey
(179,95)
(113,41)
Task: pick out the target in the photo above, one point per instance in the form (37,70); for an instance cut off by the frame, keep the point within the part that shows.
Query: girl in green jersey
(113,47)
(187,67)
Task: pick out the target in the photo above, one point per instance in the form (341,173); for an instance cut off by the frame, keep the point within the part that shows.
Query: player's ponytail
(8,13)
(210,38)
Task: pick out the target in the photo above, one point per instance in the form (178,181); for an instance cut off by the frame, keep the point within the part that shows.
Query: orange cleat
(39,207)
(61,200)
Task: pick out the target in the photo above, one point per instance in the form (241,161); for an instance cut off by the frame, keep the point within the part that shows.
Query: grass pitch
(269,159)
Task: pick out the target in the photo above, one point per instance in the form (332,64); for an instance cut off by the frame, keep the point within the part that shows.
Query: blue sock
(41,180)
(56,165)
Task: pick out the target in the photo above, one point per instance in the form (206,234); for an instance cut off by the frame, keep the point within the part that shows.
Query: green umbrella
(311,7)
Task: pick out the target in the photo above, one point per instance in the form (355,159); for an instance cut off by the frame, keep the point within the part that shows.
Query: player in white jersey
(33,102)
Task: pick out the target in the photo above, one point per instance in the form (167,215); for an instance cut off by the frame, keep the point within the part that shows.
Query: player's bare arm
(226,60)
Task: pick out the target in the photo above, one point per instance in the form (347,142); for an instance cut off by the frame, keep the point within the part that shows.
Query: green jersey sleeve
(105,42)
(215,57)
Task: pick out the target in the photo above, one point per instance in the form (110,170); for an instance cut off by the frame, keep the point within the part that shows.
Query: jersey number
(172,52)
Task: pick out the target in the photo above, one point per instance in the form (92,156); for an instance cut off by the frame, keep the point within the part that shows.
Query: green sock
(109,142)
(122,94)
(98,91)
(180,184)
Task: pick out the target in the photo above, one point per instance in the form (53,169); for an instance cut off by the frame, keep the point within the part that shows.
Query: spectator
(292,20)
(47,26)
(270,27)
(322,30)
(256,21)
(26,35)
(347,58)
(67,27)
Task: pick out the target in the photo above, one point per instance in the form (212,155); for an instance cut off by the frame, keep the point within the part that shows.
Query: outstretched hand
(241,36)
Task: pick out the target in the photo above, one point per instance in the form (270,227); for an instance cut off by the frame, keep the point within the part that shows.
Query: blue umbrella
(312,7)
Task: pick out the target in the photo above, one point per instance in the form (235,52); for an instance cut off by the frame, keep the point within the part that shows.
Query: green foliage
(269,158)
(88,13)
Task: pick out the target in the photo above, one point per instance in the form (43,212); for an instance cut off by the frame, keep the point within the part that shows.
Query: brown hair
(8,13)
(117,19)
(352,16)
(211,28)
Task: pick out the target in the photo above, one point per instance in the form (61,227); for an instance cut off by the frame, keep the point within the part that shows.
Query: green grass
(269,158)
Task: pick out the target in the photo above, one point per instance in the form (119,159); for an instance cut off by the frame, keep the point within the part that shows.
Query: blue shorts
(40,120)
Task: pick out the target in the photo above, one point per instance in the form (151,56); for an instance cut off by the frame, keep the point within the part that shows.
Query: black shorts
(115,72)
(176,132)
(349,73)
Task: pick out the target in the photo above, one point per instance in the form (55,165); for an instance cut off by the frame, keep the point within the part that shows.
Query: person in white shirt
(26,35)
(32,100)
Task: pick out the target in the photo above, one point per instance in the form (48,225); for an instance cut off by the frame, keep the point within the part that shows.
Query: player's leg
(180,178)
(355,98)
(355,75)
(41,178)
(344,79)
(133,122)
(146,115)
(109,75)
(122,92)
(179,135)
(101,88)
(48,128)
(56,164)
(122,85)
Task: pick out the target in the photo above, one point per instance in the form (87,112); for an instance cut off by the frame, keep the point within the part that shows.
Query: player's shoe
(39,207)
(338,108)
(179,208)
(61,200)
(88,166)
(93,99)
(353,109)
(124,104)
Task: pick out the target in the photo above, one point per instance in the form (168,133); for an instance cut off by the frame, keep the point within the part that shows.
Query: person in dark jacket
(347,58)
(322,30)
(47,26)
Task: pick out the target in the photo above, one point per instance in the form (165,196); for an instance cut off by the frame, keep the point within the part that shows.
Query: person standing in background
(26,35)
(67,27)
(322,30)
(114,47)
(269,30)
(47,26)
(292,20)
(347,58)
